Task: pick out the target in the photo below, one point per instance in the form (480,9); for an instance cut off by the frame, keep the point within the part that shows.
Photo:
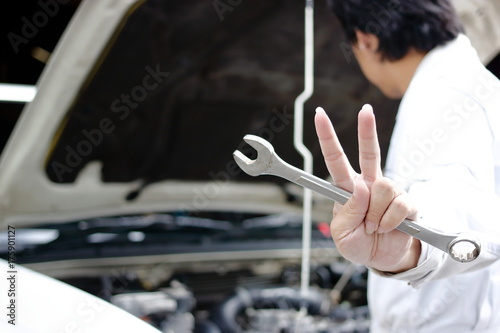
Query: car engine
(241,301)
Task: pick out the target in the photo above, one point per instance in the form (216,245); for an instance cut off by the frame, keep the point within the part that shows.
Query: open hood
(137,111)
(143,102)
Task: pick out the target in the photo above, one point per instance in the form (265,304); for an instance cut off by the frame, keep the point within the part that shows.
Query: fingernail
(368,107)
(319,109)
(370,227)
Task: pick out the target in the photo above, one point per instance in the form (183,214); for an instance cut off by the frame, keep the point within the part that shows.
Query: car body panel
(45,305)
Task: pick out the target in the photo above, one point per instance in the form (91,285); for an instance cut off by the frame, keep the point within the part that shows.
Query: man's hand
(364,228)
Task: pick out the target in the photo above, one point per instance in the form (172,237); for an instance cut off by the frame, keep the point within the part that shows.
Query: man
(442,169)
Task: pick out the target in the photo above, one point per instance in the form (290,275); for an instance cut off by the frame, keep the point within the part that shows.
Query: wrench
(461,247)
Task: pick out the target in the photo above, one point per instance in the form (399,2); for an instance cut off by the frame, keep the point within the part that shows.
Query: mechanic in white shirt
(442,169)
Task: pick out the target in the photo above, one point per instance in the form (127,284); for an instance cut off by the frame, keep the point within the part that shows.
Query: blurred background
(179,83)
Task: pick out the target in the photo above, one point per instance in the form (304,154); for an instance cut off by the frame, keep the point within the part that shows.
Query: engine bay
(205,272)
(242,300)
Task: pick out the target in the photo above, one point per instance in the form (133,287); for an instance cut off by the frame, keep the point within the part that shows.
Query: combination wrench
(461,247)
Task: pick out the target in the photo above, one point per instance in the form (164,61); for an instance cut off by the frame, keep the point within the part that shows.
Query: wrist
(410,260)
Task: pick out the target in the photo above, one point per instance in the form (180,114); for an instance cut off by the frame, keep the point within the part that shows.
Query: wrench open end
(245,163)
(264,155)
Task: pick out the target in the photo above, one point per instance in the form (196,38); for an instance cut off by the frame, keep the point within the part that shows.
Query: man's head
(393,30)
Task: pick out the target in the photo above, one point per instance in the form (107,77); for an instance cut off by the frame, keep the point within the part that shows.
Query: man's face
(376,70)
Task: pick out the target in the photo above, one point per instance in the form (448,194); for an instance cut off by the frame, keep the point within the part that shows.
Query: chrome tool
(461,247)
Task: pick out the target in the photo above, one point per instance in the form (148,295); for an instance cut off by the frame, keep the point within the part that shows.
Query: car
(121,206)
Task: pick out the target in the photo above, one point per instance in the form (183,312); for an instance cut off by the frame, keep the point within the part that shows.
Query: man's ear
(366,41)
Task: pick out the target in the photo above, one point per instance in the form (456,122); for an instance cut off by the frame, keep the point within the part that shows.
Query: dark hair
(399,24)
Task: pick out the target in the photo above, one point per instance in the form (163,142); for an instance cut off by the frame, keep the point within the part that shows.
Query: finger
(353,212)
(382,194)
(336,161)
(369,149)
(399,209)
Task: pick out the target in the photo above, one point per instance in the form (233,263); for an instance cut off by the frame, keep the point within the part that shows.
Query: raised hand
(364,228)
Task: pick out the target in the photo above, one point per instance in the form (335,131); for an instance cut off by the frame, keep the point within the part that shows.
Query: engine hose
(226,313)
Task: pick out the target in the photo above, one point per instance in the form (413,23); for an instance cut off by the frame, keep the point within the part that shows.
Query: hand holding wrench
(462,248)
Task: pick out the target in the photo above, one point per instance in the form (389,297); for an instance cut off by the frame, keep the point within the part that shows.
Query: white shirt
(445,151)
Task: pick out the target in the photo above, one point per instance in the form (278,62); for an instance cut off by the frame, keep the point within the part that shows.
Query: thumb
(353,212)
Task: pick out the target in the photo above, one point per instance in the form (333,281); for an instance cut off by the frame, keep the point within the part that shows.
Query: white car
(121,207)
